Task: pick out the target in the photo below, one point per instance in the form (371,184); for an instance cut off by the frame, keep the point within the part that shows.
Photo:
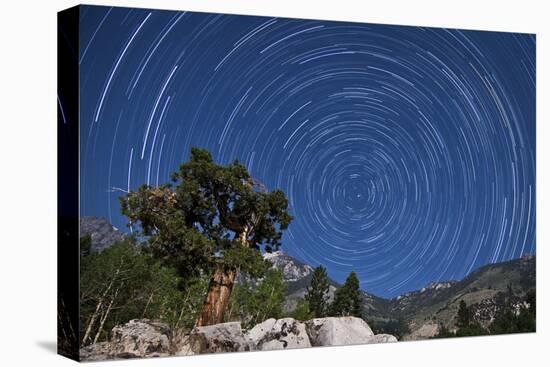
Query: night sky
(407,153)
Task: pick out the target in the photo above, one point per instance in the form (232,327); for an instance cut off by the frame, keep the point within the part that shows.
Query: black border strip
(68,183)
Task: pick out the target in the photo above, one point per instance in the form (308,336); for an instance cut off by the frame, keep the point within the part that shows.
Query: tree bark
(220,288)
(218,296)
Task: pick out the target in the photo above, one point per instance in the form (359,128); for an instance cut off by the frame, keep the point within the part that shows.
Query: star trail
(407,153)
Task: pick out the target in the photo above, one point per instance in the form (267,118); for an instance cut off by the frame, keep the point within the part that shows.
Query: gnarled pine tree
(211,219)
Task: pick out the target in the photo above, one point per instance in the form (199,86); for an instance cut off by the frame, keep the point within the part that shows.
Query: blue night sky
(407,153)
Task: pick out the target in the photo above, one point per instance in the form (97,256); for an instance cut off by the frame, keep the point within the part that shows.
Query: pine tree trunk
(218,296)
(219,290)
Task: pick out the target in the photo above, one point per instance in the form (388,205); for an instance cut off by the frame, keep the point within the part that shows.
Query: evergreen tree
(211,219)
(531,300)
(513,320)
(525,320)
(473,329)
(463,315)
(466,326)
(347,299)
(317,292)
(397,327)
(443,332)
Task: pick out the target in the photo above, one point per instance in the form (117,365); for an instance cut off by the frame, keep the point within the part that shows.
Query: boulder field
(147,338)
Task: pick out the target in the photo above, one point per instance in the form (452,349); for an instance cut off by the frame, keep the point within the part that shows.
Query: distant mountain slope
(103,234)
(292,269)
(425,310)
(436,304)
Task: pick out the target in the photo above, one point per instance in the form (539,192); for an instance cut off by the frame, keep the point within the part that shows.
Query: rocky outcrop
(146,338)
(279,334)
(135,339)
(286,333)
(140,338)
(338,331)
(102,233)
(424,331)
(226,337)
(292,269)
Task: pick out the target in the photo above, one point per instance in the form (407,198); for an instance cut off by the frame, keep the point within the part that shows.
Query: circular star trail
(407,153)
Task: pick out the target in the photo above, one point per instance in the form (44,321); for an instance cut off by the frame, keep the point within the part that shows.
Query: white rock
(382,338)
(259,331)
(140,338)
(226,337)
(338,331)
(274,334)
(135,339)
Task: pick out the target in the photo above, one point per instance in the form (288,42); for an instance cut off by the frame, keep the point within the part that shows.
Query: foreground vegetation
(125,282)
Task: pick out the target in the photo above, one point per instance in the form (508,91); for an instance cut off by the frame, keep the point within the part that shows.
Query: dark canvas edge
(68,183)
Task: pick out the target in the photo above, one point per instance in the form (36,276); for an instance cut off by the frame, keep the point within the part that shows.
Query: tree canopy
(203,217)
